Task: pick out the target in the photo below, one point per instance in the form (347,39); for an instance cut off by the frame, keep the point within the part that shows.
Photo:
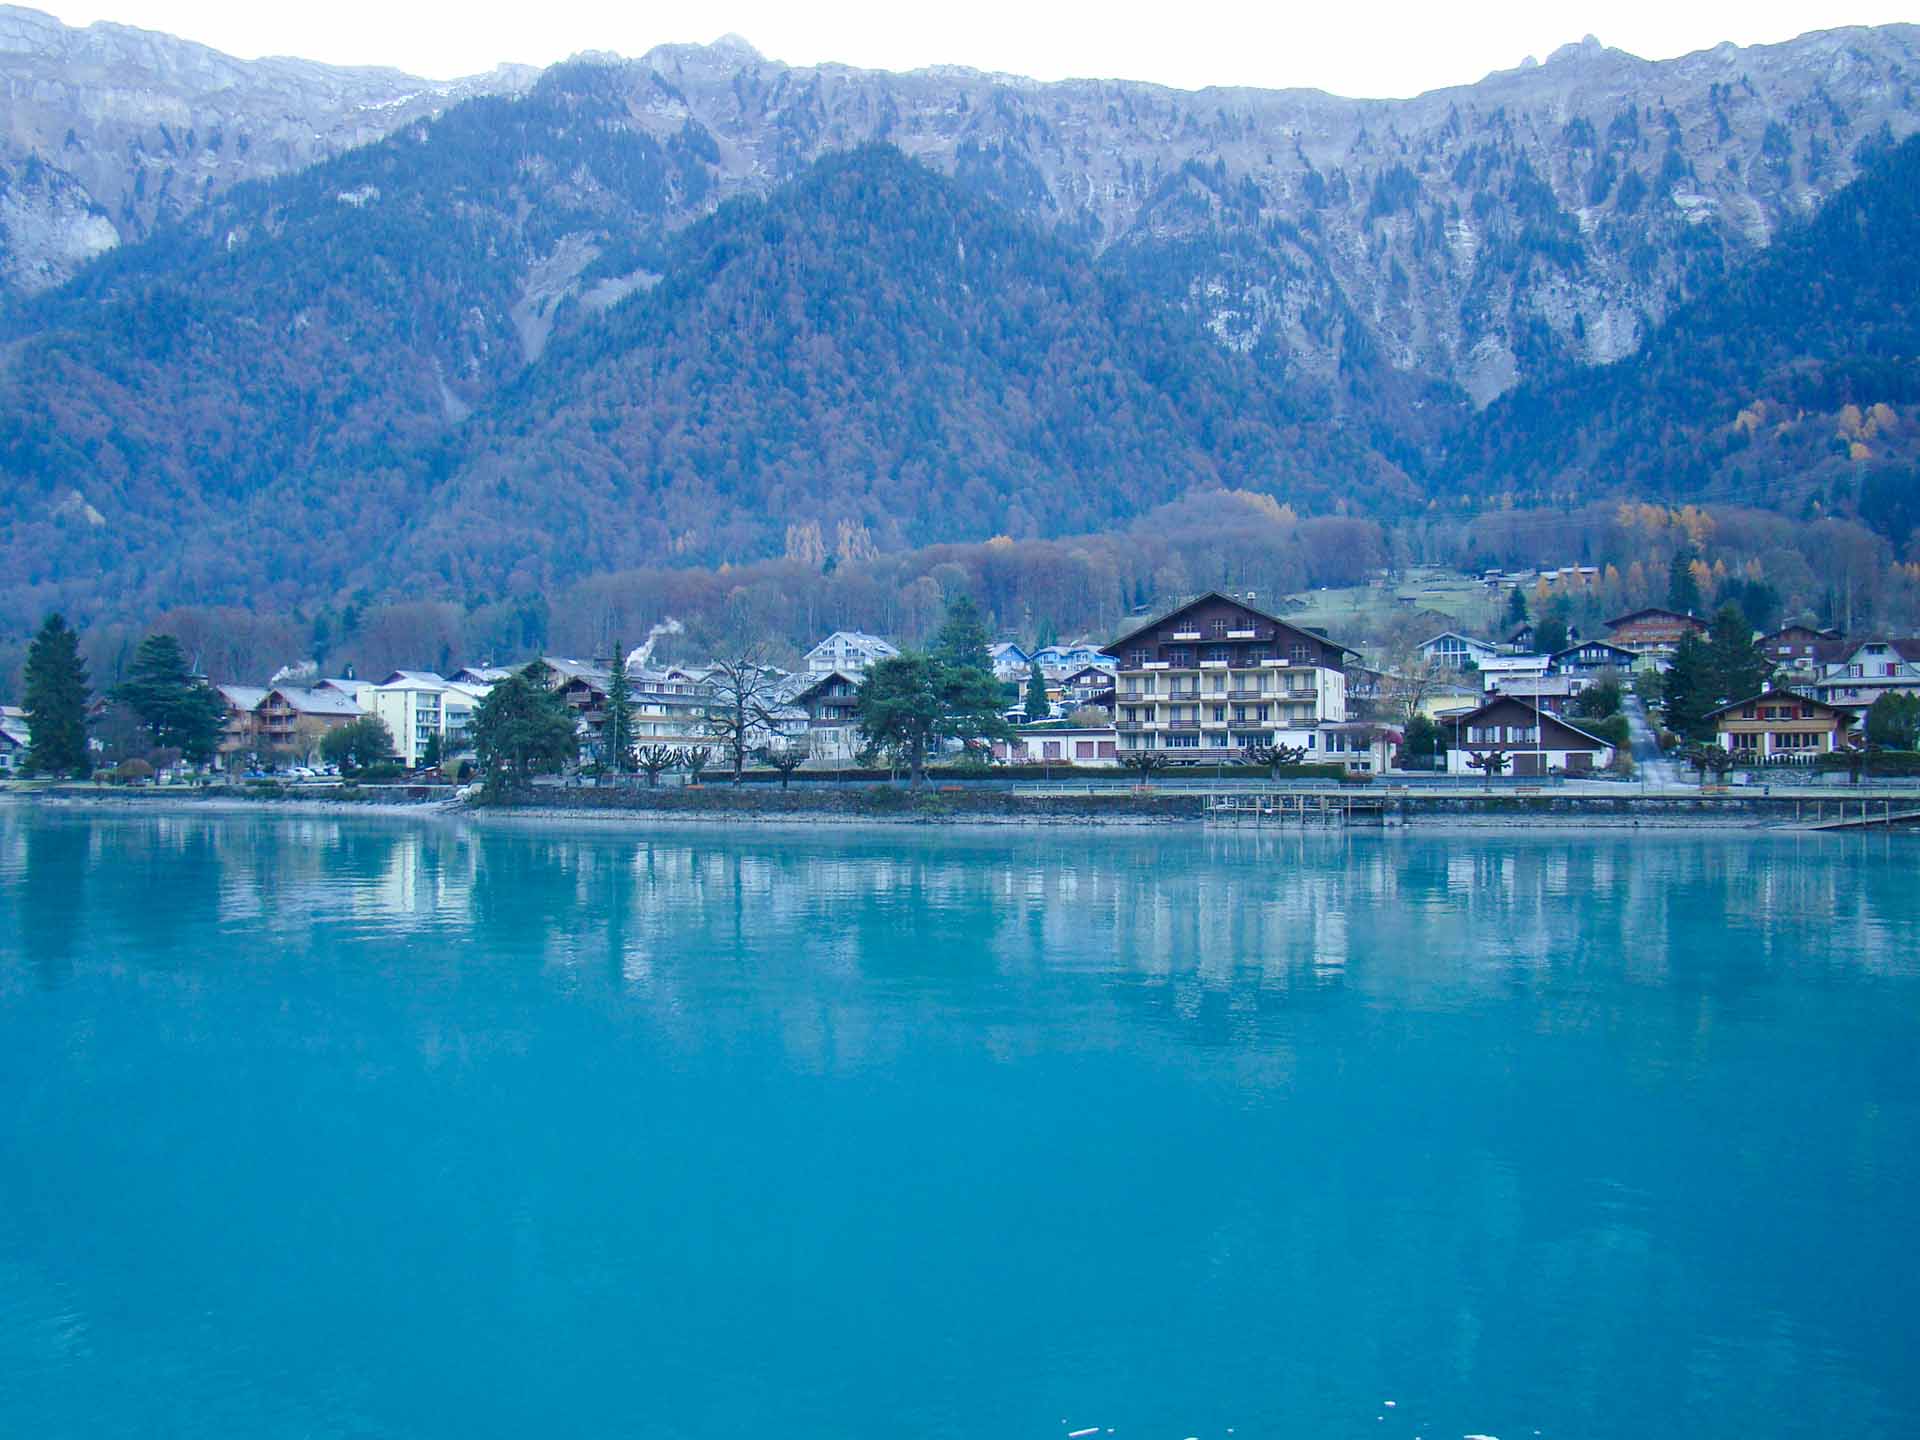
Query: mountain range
(276,331)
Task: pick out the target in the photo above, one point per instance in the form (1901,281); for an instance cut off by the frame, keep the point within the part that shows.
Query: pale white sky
(1383,48)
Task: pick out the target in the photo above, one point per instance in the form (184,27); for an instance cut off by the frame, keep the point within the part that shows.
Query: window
(1217,652)
(1217,629)
(1178,656)
(1182,742)
(1300,654)
(1137,658)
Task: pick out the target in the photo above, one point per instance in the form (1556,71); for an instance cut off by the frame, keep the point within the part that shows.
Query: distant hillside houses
(849,651)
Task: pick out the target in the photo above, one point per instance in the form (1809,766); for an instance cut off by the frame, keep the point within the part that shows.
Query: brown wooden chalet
(1535,742)
(1216,675)
(1652,631)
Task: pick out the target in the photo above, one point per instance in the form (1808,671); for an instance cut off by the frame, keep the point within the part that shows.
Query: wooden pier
(1294,807)
(1865,817)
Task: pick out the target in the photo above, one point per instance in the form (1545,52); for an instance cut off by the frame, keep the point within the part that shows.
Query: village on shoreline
(1215,707)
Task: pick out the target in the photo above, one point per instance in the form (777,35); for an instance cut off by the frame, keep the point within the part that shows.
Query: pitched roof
(313,701)
(1839,710)
(1186,605)
(1545,717)
(1620,620)
(242,697)
(1589,644)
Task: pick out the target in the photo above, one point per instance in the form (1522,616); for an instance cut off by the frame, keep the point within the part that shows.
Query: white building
(1496,672)
(1867,670)
(14,738)
(418,705)
(849,651)
(1454,650)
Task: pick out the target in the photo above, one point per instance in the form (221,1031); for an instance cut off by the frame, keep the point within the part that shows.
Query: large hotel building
(1217,675)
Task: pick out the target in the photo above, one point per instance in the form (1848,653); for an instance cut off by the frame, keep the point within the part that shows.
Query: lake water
(360,1128)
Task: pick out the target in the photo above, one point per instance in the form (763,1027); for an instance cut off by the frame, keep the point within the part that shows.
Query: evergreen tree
(1683,591)
(56,702)
(1893,722)
(1037,705)
(1550,636)
(963,642)
(431,757)
(617,734)
(1737,667)
(1690,688)
(900,707)
(178,710)
(523,727)
(1516,608)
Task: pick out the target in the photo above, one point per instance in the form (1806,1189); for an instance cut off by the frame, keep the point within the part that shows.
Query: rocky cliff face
(1443,247)
(109,131)
(1546,216)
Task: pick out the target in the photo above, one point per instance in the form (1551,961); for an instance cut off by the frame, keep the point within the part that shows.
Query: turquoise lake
(367,1128)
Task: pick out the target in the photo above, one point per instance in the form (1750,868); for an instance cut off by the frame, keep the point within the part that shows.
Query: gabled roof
(1590,644)
(1103,672)
(1184,606)
(412,680)
(1906,649)
(1545,718)
(315,701)
(1840,711)
(796,688)
(860,639)
(241,697)
(15,731)
(1631,615)
(1456,635)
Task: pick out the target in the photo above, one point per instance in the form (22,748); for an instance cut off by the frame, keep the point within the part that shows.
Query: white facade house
(1454,650)
(14,738)
(1497,671)
(850,651)
(1866,671)
(1097,745)
(418,705)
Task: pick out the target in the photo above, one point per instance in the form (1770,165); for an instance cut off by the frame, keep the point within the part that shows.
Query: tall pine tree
(1691,688)
(1683,591)
(1738,668)
(178,709)
(56,694)
(617,733)
(1038,706)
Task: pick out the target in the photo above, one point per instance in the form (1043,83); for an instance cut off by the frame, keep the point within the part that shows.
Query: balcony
(1243,635)
(1185,635)
(1153,665)
(1131,727)
(1214,664)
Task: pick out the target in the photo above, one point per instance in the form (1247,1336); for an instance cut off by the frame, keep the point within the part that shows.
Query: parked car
(303,772)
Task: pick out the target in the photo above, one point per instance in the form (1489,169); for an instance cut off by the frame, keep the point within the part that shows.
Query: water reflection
(349,1126)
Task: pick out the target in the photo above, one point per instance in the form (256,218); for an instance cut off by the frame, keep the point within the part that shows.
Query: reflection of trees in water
(48,895)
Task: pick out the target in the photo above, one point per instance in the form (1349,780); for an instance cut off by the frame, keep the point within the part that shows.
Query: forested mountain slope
(875,351)
(1412,253)
(1793,382)
(337,395)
